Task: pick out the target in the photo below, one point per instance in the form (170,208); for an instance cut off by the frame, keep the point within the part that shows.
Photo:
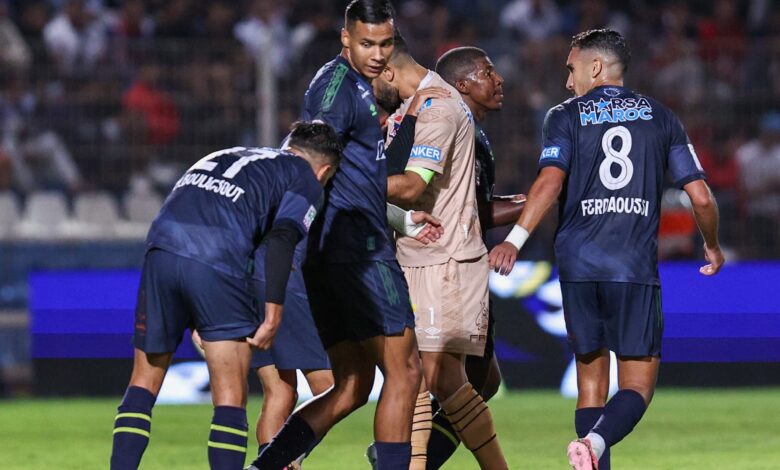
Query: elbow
(702,201)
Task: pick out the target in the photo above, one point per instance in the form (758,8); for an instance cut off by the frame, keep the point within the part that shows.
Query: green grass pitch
(684,429)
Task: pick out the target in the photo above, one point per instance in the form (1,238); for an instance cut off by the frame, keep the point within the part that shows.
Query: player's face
(581,71)
(485,85)
(387,96)
(368,46)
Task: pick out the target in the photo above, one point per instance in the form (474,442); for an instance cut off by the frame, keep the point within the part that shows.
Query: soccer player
(604,158)
(297,346)
(197,271)
(356,288)
(447,279)
(472,73)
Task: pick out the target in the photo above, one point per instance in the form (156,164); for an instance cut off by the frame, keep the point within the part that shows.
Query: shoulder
(331,86)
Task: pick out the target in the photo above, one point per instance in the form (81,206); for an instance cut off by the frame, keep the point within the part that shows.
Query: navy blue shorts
(297,344)
(623,317)
(357,301)
(177,293)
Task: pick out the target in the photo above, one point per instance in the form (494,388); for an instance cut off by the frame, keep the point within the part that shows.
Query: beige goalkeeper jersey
(444,143)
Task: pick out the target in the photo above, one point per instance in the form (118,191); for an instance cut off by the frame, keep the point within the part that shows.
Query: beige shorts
(450,304)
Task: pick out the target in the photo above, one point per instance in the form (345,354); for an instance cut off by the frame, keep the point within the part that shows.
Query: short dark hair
(368,11)
(400,47)
(606,40)
(457,63)
(317,137)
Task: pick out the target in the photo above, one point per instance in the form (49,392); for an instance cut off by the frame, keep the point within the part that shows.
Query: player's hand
(263,338)
(423,95)
(196,339)
(432,230)
(716,259)
(502,258)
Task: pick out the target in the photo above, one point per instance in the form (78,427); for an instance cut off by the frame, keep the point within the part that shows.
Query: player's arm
(405,189)
(705,211)
(419,225)
(554,166)
(541,197)
(501,210)
(281,240)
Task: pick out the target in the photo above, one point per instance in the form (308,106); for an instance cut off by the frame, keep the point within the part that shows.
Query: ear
(597,67)
(463,86)
(344,38)
(322,172)
(388,73)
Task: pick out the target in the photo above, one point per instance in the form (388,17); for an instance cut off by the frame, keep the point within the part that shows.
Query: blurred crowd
(123,95)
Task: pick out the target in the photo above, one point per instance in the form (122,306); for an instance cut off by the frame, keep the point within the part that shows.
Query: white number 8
(618,157)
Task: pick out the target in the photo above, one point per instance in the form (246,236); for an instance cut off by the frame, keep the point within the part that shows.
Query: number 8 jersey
(222,207)
(615,147)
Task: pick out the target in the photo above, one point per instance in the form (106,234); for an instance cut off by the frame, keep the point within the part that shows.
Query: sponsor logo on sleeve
(309,217)
(427,152)
(550,152)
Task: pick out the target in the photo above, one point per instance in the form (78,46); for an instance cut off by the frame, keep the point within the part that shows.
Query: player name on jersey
(209,183)
(614,110)
(616,205)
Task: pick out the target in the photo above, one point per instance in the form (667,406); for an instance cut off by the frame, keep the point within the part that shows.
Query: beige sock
(471,419)
(421,431)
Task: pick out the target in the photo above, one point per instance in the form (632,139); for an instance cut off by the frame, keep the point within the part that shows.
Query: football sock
(393,455)
(294,439)
(227,439)
(584,420)
(421,430)
(261,447)
(622,412)
(132,426)
(443,440)
(472,421)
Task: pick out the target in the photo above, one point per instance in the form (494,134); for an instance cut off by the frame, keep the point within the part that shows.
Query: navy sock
(584,420)
(622,413)
(227,439)
(261,447)
(294,439)
(132,426)
(393,455)
(442,443)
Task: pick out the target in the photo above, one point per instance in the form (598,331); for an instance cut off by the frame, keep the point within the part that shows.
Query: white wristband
(517,237)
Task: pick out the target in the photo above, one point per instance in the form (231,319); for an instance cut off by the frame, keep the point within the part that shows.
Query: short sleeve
(434,138)
(684,165)
(300,203)
(557,140)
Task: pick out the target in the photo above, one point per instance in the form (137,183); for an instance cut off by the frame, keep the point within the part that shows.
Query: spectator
(75,40)
(534,20)
(759,167)
(15,54)
(265,29)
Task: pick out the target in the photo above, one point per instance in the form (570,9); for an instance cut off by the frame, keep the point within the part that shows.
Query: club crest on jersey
(427,152)
(396,125)
(550,152)
(614,110)
(309,217)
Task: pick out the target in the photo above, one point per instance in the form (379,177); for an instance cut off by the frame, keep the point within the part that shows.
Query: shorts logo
(550,152)
(427,152)
(309,217)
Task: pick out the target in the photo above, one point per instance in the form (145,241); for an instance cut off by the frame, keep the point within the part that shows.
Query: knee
(592,393)
(406,380)
(351,396)
(280,393)
(492,384)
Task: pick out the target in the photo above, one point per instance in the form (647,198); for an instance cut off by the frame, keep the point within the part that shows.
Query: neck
(411,77)
(345,55)
(478,111)
(608,82)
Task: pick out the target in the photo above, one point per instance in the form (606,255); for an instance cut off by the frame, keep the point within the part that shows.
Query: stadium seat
(44,216)
(9,214)
(95,215)
(140,209)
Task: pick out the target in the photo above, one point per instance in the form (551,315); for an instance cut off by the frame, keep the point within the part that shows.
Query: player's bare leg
(228,364)
(319,380)
(279,398)
(484,374)
(445,374)
(133,423)
(353,374)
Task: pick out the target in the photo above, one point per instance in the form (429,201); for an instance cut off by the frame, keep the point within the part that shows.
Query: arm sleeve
(684,165)
(557,140)
(281,240)
(434,138)
(398,151)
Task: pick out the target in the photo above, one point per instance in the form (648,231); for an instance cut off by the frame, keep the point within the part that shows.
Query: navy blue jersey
(486,166)
(354,222)
(219,211)
(615,147)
